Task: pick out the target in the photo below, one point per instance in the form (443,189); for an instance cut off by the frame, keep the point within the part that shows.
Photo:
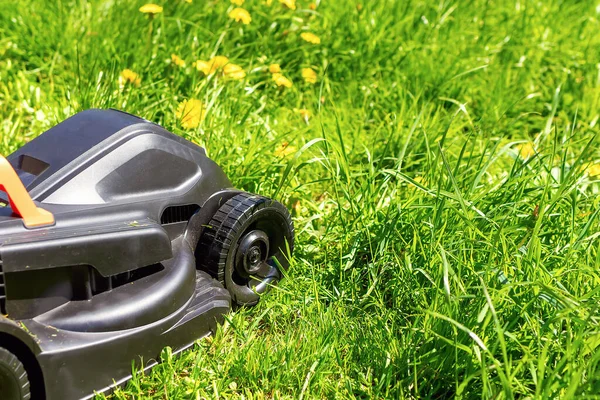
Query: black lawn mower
(118,238)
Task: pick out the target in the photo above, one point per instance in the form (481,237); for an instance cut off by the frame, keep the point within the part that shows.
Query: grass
(445,207)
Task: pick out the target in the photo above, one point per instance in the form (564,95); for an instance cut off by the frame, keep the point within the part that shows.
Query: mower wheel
(246,244)
(14,383)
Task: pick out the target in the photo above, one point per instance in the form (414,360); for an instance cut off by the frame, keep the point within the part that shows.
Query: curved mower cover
(118,238)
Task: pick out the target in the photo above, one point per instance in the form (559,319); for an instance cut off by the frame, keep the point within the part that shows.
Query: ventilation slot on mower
(2,291)
(175,214)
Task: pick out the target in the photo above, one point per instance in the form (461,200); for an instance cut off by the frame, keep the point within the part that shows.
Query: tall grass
(434,257)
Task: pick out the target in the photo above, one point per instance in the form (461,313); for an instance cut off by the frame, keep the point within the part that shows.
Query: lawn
(441,163)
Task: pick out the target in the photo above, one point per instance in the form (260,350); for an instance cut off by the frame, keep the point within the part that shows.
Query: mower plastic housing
(114,279)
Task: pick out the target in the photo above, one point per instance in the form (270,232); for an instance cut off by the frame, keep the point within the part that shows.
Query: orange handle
(20,201)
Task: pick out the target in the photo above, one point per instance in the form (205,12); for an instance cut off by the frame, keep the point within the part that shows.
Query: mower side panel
(112,248)
(134,304)
(83,347)
(77,364)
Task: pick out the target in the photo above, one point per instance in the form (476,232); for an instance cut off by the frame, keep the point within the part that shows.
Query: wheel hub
(252,253)
(253,259)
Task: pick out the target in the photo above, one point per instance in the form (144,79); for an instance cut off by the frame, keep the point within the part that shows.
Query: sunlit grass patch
(440,160)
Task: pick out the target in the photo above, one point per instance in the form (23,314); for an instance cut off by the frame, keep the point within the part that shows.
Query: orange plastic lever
(20,201)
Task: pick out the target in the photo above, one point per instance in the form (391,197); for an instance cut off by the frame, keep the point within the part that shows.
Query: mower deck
(117,239)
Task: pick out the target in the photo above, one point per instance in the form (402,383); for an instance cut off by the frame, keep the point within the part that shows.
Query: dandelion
(211,66)
(151,9)
(188,1)
(304,113)
(175,59)
(274,68)
(128,75)
(291,4)
(240,15)
(231,71)
(312,6)
(310,37)
(309,75)
(284,150)
(202,66)
(234,71)
(593,170)
(525,150)
(190,113)
(282,81)
(237,2)
(218,62)
(419,180)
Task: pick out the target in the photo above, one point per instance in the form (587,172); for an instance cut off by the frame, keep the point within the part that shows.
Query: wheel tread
(216,239)
(9,359)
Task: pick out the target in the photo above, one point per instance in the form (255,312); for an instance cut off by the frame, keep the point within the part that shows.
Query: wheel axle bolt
(254,258)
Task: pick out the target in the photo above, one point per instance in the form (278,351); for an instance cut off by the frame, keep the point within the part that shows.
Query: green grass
(431,260)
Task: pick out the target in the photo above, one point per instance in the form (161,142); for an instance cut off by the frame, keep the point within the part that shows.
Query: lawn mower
(117,239)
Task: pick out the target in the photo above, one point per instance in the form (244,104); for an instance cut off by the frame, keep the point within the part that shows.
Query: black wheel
(245,245)
(14,383)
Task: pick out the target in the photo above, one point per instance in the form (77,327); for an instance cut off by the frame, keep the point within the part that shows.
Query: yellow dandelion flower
(284,150)
(151,9)
(211,66)
(234,71)
(593,170)
(190,113)
(304,113)
(218,62)
(309,75)
(128,75)
(310,37)
(282,81)
(202,66)
(177,60)
(291,4)
(237,2)
(240,15)
(312,6)
(188,1)
(525,150)
(274,68)
(419,180)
